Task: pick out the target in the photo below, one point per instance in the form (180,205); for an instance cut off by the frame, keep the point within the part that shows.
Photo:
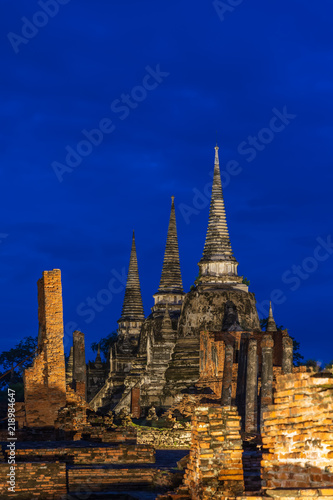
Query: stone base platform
(307,494)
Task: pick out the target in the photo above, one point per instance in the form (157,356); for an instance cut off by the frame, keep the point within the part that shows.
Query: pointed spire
(271,325)
(132,307)
(171,279)
(166,322)
(167,332)
(217,245)
(98,360)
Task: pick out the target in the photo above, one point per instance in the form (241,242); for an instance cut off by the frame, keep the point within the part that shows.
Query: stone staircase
(105,399)
(251,459)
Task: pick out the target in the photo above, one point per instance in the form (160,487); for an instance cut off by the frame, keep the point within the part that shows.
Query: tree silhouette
(104,344)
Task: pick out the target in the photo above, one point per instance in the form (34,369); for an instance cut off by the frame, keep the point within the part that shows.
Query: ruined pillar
(69,369)
(45,380)
(227,374)
(241,380)
(287,354)
(251,387)
(267,345)
(79,364)
(135,402)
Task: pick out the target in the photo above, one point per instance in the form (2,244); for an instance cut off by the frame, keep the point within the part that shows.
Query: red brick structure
(35,480)
(252,361)
(44,382)
(135,402)
(215,467)
(298,433)
(121,454)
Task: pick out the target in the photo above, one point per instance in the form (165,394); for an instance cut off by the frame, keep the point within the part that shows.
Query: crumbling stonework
(47,400)
(33,480)
(94,455)
(100,480)
(97,372)
(164,439)
(215,466)
(298,433)
(240,368)
(204,310)
(44,382)
(72,418)
(211,362)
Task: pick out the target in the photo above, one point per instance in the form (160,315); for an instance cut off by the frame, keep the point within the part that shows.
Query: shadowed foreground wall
(35,480)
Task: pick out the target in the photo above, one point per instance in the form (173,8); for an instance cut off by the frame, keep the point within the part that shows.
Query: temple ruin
(197,374)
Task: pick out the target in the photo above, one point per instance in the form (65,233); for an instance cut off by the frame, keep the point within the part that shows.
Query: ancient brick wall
(307,494)
(35,480)
(298,433)
(164,439)
(212,353)
(215,466)
(98,480)
(211,362)
(44,382)
(116,435)
(94,455)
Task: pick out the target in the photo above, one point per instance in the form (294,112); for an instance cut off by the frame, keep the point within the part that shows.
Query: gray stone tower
(218,264)
(123,352)
(219,301)
(159,330)
(132,316)
(170,292)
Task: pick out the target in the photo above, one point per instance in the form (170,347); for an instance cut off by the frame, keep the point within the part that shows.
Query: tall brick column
(251,387)
(79,364)
(227,375)
(135,402)
(241,380)
(287,355)
(267,345)
(44,381)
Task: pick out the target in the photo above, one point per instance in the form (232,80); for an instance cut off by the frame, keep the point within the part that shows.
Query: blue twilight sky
(162,81)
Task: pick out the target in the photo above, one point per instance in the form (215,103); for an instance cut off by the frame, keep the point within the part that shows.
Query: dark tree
(11,375)
(22,355)
(297,358)
(105,343)
(311,363)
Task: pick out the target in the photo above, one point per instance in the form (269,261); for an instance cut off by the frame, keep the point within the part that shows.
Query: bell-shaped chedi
(218,266)
(220,301)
